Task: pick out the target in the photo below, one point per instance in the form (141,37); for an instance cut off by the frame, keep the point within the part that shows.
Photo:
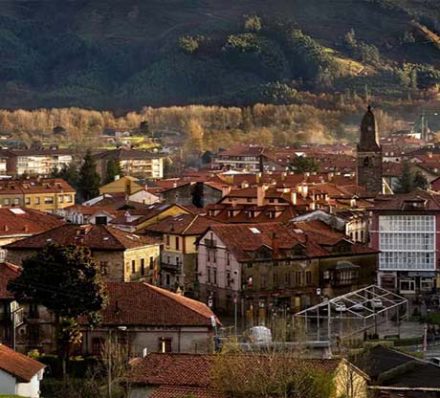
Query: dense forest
(123,55)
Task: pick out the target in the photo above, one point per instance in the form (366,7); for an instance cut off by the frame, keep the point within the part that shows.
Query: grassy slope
(122,54)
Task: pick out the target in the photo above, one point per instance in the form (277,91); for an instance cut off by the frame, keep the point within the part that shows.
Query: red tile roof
(32,186)
(8,272)
(185,392)
(138,303)
(20,366)
(423,201)
(25,222)
(195,370)
(95,237)
(315,236)
(183,224)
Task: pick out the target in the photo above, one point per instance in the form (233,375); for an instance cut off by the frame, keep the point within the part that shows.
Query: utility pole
(235,314)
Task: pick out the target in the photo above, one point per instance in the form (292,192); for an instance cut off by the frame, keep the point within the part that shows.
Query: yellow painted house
(127,184)
(48,195)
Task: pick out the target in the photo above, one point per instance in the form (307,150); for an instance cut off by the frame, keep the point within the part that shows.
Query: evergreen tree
(113,169)
(420,181)
(410,181)
(65,280)
(89,179)
(405,183)
(70,174)
(301,164)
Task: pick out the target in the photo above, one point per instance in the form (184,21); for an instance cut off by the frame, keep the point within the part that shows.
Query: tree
(409,181)
(113,169)
(68,173)
(253,23)
(240,374)
(405,182)
(65,280)
(420,181)
(89,179)
(301,164)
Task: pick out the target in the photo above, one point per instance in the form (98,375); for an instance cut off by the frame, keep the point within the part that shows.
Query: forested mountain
(122,54)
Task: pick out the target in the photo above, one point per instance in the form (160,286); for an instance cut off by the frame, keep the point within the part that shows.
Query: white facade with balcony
(408,252)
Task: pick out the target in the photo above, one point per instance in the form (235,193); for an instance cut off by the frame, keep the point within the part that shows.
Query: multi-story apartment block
(135,163)
(241,157)
(179,251)
(120,256)
(271,266)
(405,229)
(46,194)
(34,162)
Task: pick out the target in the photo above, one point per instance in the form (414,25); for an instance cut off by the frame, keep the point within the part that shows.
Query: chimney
(283,175)
(117,177)
(293,198)
(6,228)
(144,352)
(330,176)
(26,229)
(261,193)
(175,184)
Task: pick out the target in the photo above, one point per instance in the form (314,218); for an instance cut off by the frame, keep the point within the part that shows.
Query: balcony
(170,267)
(210,243)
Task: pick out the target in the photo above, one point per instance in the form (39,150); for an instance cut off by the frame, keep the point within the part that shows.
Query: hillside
(126,54)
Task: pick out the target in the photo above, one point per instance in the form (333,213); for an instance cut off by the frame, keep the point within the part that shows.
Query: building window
(69,199)
(407,242)
(152,262)
(37,200)
(6,202)
(298,278)
(228,258)
(142,266)
(16,201)
(167,240)
(48,200)
(165,345)
(133,266)
(308,278)
(215,276)
(101,220)
(103,266)
(214,256)
(177,243)
(27,200)
(61,198)
(168,282)
(228,279)
(208,270)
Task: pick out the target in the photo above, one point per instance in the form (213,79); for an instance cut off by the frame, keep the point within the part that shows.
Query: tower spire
(369,140)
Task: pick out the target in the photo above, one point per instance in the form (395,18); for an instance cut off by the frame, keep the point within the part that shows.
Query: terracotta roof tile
(138,303)
(183,224)
(24,221)
(195,370)
(18,365)
(8,272)
(95,237)
(32,186)
(185,392)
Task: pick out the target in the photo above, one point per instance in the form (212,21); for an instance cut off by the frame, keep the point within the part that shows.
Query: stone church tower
(369,155)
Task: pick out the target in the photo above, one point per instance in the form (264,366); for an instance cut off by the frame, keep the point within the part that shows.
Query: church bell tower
(369,155)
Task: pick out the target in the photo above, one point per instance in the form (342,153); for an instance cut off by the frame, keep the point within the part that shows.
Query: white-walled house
(19,374)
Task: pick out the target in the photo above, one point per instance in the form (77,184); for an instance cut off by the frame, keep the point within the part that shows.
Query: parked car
(260,335)
(357,307)
(376,303)
(340,307)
